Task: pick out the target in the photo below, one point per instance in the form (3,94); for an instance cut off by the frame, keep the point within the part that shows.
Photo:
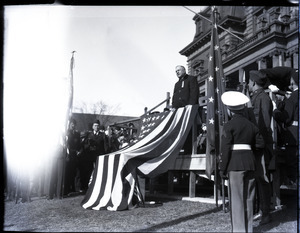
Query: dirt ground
(174,215)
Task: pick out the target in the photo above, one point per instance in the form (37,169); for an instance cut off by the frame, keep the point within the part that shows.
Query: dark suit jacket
(73,142)
(239,130)
(287,115)
(263,109)
(95,145)
(186,91)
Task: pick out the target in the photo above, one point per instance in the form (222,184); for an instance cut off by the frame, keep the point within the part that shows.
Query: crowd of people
(248,156)
(83,148)
(70,169)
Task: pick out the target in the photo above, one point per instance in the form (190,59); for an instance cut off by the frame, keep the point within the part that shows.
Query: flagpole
(216,110)
(68,117)
(212,22)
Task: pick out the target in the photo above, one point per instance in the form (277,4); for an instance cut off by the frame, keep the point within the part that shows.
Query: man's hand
(223,175)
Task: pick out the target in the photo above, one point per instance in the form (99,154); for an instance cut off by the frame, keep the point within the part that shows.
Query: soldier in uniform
(239,138)
(263,109)
(288,115)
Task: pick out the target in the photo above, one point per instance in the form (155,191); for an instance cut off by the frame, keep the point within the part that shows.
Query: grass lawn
(174,215)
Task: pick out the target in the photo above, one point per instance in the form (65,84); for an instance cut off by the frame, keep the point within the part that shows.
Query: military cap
(259,77)
(234,100)
(280,76)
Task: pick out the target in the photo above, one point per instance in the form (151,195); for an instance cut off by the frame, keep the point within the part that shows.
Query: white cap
(235,100)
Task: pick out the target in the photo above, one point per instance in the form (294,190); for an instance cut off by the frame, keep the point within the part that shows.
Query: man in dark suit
(95,143)
(186,92)
(239,138)
(186,89)
(263,109)
(288,115)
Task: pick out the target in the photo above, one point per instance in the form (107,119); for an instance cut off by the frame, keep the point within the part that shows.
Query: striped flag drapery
(161,137)
(216,111)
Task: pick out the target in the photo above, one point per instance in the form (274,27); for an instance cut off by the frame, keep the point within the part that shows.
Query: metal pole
(146,112)
(216,181)
(223,194)
(168,99)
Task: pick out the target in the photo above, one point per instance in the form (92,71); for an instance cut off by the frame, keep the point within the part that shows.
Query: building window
(199,27)
(198,67)
(262,21)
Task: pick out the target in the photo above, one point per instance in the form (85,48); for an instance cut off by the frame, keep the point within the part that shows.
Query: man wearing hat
(263,109)
(95,144)
(279,77)
(288,115)
(239,138)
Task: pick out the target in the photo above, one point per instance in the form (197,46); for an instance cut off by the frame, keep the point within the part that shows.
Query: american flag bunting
(161,137)
(216,111)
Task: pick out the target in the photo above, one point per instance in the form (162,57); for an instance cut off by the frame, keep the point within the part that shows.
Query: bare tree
(104,112)
(100,109)
(81,108)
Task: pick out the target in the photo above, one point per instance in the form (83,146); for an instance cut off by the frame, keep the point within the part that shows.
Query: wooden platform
(193,163)
(190,162)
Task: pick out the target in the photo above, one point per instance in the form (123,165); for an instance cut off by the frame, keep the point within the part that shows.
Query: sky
(125,57)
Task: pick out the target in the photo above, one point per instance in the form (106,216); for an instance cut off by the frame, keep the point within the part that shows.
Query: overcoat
(289,115)
(186,91)
(263,110)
